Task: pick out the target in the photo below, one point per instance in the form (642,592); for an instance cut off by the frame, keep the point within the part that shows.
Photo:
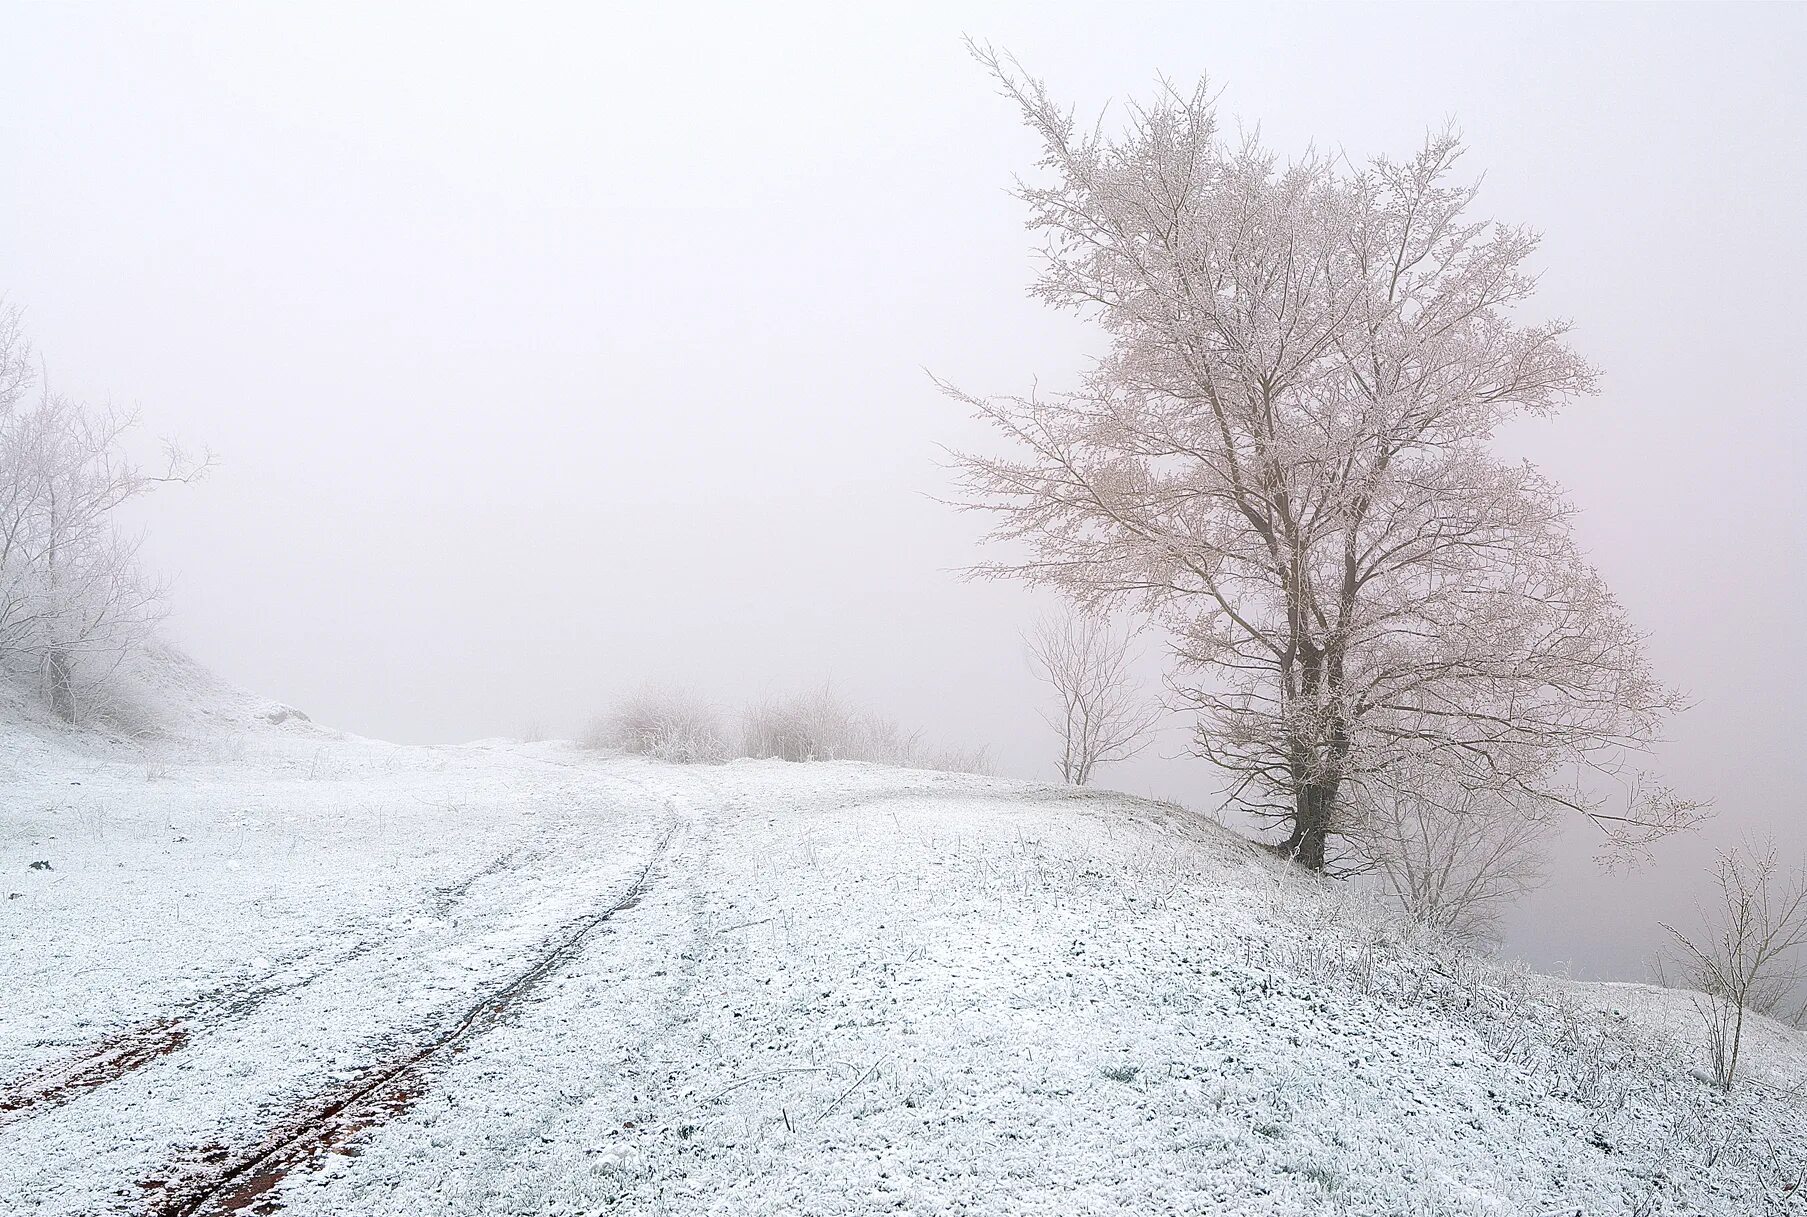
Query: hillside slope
(332,976)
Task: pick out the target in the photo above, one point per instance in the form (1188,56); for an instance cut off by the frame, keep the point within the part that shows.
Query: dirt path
(220,1180)
(119,1054)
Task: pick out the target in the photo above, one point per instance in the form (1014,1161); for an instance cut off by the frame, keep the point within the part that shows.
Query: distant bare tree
(1285,457)
(1751,957)
(1100,714)
(73,602)
(1454,857)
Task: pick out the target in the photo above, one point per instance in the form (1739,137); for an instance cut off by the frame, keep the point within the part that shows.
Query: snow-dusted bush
(813,726)
(956,760)
(665,723)
(819,726)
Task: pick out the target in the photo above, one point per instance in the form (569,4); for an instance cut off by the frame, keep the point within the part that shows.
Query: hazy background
(548,351)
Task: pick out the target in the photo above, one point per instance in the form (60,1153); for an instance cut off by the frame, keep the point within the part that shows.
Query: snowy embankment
(327,976)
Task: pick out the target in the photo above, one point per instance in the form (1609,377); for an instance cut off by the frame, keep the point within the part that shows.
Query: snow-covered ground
(557,982)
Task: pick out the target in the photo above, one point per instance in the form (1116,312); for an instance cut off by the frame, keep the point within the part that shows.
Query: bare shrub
(1453,857)
(819,726)
(811,726)
(664,723)
(1751,955)
(955,759)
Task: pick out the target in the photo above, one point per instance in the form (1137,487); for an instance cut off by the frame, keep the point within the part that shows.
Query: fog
(551,352)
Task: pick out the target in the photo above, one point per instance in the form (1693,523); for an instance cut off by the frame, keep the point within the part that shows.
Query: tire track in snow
(106,1060)
(223,1182)
(448,896)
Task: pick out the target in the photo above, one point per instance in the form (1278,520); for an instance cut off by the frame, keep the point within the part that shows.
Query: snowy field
(294,971)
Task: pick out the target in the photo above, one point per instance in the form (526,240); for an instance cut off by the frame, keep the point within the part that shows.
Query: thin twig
(762,1077)
(856,1085)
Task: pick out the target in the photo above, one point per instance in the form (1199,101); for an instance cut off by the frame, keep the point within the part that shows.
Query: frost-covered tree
(1099,713)
(73,601)
(1284,456)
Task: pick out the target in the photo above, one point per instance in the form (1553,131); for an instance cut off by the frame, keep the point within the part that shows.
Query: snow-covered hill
(297,970)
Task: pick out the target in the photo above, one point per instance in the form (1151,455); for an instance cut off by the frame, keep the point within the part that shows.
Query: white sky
(549,351)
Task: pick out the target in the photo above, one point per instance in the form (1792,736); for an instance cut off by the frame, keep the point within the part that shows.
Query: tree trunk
(1309,841)
(62,685)
(1312,827)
